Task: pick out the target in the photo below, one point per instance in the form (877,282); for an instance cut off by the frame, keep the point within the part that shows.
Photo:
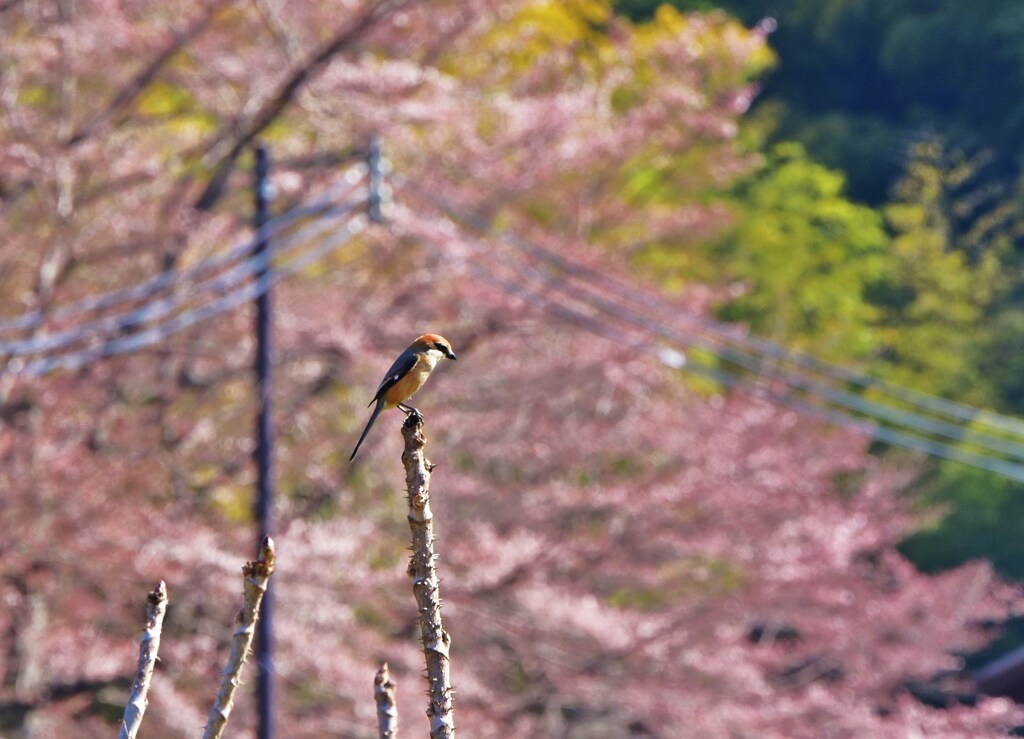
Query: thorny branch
(425,585)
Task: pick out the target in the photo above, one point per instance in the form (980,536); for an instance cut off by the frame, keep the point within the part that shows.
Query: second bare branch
(138,699)
(256,577)
(387,709)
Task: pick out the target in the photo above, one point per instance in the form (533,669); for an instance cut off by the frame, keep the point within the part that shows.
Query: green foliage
(642,10)
(161,99)
(925,289)
(862,80)
(570,33)
(916,303)
(984,517)
(866,148)
(934,299)
(1001,359)
(625,188)
(805,256)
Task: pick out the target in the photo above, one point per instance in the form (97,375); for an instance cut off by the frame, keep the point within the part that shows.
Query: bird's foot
(412,415)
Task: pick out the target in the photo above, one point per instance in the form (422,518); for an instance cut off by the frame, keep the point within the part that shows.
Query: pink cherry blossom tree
(623,550)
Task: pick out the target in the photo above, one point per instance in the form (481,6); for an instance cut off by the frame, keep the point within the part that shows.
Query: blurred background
(733,446)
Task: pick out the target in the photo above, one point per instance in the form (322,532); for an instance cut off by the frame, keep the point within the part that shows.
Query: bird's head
(426,342)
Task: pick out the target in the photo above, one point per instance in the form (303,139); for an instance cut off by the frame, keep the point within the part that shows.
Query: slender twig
(387,710)
(138,699)
(256,576)
(228,144)
(423,571)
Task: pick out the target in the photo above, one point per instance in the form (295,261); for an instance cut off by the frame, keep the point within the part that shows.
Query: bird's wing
(402,366)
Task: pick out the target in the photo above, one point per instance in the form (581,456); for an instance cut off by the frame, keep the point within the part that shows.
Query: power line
(845,399)
(722,332)
(675,359)
(155,334)
(188,291)
(909,396)
(672,357)
(166,279)
(618,301)
(874,409)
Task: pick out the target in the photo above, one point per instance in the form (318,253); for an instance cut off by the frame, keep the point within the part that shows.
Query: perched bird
(406,376)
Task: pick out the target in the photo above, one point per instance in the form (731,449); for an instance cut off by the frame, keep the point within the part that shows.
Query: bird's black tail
(369,425)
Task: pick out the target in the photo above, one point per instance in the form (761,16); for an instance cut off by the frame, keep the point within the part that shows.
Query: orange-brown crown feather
(427,340)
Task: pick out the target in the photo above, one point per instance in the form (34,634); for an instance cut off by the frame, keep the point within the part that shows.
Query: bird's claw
(413,417)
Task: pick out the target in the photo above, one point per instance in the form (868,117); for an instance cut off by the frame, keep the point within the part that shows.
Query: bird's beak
(450,354)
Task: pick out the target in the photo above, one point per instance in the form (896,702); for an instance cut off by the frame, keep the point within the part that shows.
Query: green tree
(863,80)
(930,293)
(1001,359)
(978,515)
(801,257)
(934,300)
(949,326)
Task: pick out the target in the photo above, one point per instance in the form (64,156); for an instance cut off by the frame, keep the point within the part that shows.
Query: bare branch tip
(267,549)
(269,558)
(264,566)
(158,594)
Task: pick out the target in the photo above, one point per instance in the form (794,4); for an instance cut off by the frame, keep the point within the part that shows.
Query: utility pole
(262,194)
(264,443)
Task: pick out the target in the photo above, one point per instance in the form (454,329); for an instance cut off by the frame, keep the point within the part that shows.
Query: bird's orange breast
(411,382)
